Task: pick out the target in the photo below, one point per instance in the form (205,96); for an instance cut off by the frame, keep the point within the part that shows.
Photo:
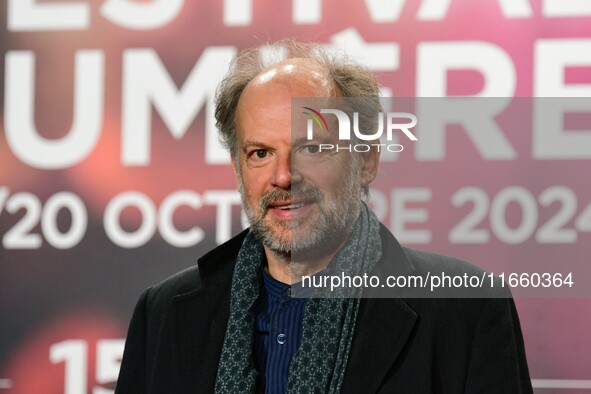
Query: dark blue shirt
(277,333)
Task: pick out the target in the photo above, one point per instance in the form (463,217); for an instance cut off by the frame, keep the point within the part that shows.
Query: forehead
(292,78)
(266,100)
(265,105)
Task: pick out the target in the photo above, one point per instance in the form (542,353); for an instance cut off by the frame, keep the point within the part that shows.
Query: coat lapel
(200,323)
(384,326)
(200,319)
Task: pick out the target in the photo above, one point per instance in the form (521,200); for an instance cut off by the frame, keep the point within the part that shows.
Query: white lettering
(383,11)
(550,141)
(237,12)
(404,127)
(180,239)
(368,137)
(224,200)
(147,83)
(566,8)
(141,16)
(344,123)
(477,117)
(306,12)
(28,15)
(401,215)
(431,10)
(384,56)
(21,133)
(516,8)
(435,59)
(112,225)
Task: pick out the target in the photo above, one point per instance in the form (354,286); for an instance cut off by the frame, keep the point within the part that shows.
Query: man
(229,324)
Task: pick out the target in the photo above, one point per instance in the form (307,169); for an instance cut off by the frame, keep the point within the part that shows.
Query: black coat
(412,345)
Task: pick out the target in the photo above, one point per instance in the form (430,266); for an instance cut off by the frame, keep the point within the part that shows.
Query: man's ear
(370,164)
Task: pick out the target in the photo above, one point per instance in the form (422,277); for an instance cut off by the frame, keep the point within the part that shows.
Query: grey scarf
(328,325)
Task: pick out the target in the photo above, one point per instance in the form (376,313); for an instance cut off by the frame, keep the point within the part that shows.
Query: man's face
(296,199)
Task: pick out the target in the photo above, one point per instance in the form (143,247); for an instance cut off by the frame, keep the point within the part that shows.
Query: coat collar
(200,318)
(384,325)
(200,321)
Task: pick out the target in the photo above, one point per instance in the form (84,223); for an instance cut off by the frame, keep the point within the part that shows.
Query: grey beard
(336,217)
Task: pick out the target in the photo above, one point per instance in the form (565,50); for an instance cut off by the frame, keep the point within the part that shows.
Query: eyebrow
(248,144)
(302,140)
(299,141)
(305,140)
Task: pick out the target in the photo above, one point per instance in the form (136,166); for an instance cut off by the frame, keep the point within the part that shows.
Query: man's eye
(260,153)
(311,149)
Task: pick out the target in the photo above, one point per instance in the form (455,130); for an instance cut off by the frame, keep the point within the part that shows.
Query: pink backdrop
(111,178)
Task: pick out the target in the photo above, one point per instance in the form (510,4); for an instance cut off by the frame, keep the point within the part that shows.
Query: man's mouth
(290,206)
(290,209)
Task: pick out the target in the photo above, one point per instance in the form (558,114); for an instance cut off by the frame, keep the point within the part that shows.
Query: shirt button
(281,338)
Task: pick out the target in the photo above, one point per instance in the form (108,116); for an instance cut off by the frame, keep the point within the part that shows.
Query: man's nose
(284,174)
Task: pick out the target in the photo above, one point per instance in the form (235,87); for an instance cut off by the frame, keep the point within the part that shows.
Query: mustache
(307,194)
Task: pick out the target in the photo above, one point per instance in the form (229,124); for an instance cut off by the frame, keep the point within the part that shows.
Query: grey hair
(349,77)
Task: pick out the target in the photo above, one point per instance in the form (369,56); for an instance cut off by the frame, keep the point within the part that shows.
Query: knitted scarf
(328,324)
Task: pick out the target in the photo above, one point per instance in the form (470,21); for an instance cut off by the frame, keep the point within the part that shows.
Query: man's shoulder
(424,261)
(420,261)
(215,266)
(441,275)
(221,256)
